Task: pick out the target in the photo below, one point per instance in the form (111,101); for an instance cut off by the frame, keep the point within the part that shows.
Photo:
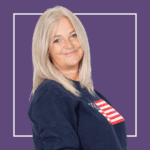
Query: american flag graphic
(109,112)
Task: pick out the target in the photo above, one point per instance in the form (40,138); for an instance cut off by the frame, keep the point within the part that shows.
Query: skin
(67,41)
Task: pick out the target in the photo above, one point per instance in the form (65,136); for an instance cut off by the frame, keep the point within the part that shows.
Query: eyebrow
(61,35)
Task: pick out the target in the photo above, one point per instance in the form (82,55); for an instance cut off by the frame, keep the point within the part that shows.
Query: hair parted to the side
(42,65)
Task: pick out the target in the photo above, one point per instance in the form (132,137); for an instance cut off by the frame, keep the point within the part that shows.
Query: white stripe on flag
(100,110)
(114,114)
(105,107)
(100,103)
(109,110)
(120,117)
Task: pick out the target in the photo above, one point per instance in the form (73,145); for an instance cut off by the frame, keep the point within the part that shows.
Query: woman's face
(65,41)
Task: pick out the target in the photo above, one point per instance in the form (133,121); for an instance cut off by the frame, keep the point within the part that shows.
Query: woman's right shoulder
(49,86)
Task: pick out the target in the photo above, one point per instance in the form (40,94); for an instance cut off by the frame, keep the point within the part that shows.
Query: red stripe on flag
(106,115)
(109,122)
(102,112)
(116,116)
(118,121)
(98,101)
(101,105)
(105,109)
(112,112)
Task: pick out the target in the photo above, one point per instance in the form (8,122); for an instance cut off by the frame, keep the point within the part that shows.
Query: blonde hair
(43,67)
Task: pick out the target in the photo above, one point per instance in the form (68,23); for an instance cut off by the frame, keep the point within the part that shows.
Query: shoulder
(51,96)
(48,87)
(53,86)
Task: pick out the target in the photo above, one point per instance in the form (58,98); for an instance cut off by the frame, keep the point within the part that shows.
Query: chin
(73,63)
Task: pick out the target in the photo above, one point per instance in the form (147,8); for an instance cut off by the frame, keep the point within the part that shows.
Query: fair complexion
(66,40)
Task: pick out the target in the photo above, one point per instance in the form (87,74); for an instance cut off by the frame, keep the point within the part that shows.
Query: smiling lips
(70,53)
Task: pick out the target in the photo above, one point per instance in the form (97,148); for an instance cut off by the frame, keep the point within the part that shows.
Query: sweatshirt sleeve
(52,116)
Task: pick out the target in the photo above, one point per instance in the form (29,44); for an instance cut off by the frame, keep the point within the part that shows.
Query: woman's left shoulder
(102,97)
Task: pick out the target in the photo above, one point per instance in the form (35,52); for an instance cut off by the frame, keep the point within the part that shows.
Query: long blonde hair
(42,65)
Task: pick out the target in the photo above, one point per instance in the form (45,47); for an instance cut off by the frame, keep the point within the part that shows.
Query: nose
(68,43)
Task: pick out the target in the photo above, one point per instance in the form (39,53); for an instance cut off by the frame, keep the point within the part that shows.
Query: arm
(52,115)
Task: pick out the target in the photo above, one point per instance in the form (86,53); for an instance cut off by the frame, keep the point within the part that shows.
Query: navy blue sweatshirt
(62,121)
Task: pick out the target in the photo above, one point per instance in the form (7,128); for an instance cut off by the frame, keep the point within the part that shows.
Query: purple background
(112,47)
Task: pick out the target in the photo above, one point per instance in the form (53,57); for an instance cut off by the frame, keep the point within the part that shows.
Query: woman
(66,112)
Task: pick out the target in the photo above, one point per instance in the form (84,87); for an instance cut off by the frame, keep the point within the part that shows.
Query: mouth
(70,53)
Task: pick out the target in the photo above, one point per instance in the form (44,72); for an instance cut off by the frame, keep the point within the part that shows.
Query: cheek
(56,50)
(54,53)
(76,43)
(56,47)
(81,52)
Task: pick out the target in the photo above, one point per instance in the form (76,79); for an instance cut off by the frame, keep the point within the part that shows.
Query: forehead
(63,26)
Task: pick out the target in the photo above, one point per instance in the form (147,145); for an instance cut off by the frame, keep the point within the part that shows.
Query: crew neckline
(75,81)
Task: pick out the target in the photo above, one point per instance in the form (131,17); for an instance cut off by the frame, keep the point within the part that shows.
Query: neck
(70,73)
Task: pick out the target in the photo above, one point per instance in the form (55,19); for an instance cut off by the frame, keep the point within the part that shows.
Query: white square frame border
(135,14)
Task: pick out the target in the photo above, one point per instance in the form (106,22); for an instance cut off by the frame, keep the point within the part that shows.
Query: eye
(75,35)
(56,41)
